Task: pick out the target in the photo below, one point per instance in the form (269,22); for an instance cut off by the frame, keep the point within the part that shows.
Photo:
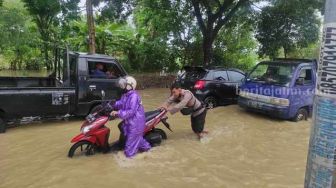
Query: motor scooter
(94,134)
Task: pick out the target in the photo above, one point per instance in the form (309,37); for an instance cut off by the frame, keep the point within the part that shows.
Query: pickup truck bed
(16,82)
(45,101)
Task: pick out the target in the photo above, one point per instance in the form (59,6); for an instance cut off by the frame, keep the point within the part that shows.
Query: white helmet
(127,83)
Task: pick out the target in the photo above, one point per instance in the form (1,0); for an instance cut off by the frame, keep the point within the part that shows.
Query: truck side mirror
(300,81)
(103,94)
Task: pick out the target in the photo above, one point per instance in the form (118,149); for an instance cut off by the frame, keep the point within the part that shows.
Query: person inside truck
(99,71)
(270,74)
(130,109)
(111,73)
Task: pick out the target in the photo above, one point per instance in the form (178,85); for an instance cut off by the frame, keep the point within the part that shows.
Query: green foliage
(16,37)
(116,11)
(287,25)
(44,14)
(148,35)
(236,46)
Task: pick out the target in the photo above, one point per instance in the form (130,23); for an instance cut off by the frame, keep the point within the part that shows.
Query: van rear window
(194,74)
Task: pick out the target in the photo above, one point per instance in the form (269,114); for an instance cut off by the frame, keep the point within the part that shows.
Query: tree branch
(223,8)
(218,3)
(231,13)
(208,8)
(198,15)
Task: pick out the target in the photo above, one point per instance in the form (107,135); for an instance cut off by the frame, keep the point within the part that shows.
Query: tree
(116,11)
(91,27)
(16,36)
(70,11)
(44,13)
(235,46)
(155,21)
(211,16)
(287,25)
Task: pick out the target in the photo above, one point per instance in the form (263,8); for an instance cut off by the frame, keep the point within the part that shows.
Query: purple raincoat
(132,112)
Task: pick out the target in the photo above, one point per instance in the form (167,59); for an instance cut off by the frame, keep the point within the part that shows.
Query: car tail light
(199,84)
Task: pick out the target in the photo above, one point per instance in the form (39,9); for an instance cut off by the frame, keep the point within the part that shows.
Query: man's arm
(183,103)
(168,102)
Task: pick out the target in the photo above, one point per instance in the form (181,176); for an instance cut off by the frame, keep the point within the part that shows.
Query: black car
(212,85)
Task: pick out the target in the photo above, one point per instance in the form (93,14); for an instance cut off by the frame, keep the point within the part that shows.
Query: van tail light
(200,84)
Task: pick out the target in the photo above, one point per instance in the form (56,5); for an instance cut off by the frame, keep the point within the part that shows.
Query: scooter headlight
(86,129)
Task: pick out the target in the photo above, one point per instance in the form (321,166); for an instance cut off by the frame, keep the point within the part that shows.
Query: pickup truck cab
(73,88)
(282,88)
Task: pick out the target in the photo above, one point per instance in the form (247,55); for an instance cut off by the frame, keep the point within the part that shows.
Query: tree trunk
(285,52)
(207,48)
(91,27)
(46,55)
(103,48)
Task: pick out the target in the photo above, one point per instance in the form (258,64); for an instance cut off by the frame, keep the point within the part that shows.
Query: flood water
(24,73)
(242,150)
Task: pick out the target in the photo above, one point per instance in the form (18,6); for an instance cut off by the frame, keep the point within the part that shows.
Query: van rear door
(190,76)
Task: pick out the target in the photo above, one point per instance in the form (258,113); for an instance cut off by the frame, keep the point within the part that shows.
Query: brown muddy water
(242,150)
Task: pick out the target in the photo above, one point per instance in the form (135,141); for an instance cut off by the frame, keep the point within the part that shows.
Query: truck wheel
(302,114)
(210,102)
(2,126)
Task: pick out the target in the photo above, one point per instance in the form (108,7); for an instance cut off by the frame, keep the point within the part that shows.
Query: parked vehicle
(282,88)
(94,134)
(212,85)
(70,89)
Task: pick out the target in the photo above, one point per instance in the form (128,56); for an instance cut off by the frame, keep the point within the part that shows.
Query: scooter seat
(151,114)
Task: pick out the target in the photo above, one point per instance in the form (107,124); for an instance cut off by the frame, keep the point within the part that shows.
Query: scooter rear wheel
(161,132)
(84,147)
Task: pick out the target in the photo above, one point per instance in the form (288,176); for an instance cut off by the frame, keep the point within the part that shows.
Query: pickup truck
(73,88)
(283,88)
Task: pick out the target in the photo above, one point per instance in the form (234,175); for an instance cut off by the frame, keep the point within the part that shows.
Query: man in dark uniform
(99,71)
(185,101)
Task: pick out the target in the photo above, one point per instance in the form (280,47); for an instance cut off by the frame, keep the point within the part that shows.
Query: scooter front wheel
(82,147)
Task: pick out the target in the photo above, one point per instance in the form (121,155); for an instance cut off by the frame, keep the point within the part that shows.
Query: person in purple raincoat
(131,111)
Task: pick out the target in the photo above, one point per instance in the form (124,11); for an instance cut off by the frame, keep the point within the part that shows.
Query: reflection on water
(242,150)
(24,73)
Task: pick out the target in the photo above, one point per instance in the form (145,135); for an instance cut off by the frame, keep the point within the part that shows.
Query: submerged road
(242,150)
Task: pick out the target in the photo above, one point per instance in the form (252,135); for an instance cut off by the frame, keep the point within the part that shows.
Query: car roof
(290,61)
(96,56)
(211,68)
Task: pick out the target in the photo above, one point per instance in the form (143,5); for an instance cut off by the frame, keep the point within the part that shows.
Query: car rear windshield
(193,73)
